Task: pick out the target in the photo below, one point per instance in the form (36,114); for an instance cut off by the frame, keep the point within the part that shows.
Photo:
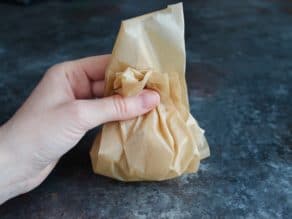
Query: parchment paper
(150,53)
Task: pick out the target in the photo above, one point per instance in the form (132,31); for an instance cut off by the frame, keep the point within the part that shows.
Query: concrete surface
(239,75)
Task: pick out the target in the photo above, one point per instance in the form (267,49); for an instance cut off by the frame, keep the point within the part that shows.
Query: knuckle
(54,71)
(51,73)
(80,115)
(120,106)
(58,68)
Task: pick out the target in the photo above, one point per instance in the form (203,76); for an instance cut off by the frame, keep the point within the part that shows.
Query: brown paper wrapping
(150,53)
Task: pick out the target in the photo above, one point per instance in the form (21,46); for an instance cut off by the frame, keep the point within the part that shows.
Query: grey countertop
(239,75)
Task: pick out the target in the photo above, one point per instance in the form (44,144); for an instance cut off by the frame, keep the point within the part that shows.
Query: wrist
(12,174)
(9,191)
(8,178)
(7,162)
(16,164)
(16,176)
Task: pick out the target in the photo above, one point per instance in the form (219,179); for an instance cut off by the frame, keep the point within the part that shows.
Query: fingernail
(150,99)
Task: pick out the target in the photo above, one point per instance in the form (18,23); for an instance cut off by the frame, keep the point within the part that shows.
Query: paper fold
(150,53)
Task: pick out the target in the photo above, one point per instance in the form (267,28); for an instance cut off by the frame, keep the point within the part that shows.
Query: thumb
(116,107)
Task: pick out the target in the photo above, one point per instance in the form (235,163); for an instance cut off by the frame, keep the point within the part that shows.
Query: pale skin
(66,103)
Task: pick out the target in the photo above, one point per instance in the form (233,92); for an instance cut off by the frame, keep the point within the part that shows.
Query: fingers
(94,66)
(98,88)
(81,73)
(114,108)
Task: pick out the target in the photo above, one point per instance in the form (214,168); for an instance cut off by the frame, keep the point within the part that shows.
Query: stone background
(239,75)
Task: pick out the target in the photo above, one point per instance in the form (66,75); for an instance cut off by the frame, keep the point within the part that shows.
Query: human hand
(60,110)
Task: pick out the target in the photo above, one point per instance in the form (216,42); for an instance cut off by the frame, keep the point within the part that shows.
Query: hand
(60,110)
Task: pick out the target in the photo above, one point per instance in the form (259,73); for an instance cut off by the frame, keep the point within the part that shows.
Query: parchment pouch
(166,142)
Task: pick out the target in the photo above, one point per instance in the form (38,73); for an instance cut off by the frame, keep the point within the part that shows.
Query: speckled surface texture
(239,75)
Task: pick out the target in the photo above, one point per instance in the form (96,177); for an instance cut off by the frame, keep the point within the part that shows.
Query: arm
(66,103)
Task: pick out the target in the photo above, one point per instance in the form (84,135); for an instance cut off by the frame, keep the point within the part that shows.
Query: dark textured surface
(240,79)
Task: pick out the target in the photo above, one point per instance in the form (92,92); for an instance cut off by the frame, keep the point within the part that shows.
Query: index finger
(94,66)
